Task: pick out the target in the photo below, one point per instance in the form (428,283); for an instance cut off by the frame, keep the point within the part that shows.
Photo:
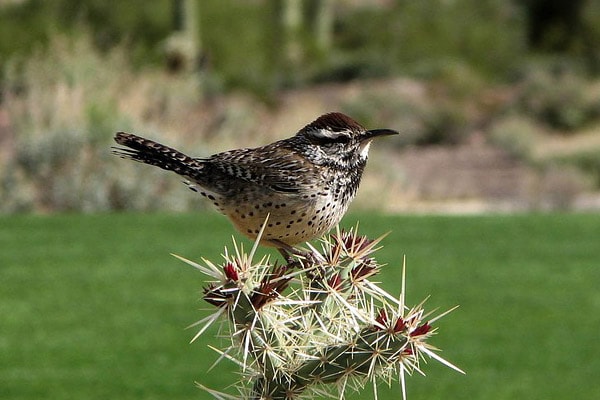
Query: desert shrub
(64,106)
(516,134)
(439,112)
(416,37)
(368,41)
(399,111)
(586,160)
(421,123)
(109,24)
(556,94)
(590,38)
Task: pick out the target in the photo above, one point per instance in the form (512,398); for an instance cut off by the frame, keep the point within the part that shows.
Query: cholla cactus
(314,330)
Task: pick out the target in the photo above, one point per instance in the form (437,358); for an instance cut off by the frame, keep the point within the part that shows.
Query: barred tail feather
(153,153)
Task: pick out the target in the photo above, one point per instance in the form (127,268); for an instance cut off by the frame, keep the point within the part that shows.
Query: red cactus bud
(335,282)
(381,318)
(352,241)
(400,325)
(278,280)
(215,296)
(270,287)
(421,330)
(231,272)
(363,270)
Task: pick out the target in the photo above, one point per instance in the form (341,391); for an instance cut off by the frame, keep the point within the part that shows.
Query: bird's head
(340,139)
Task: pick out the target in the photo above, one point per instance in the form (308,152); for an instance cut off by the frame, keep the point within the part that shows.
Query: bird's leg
(294,256)
(287,256)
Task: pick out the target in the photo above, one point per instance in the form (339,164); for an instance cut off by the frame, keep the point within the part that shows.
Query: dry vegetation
(60,111)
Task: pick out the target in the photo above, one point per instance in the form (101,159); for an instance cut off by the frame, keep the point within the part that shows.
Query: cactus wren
(304,183)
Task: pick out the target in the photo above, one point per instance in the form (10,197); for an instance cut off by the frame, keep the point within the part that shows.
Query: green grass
(94,307)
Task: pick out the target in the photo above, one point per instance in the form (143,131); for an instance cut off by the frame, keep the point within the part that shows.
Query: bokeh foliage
(242,39)
(74,72)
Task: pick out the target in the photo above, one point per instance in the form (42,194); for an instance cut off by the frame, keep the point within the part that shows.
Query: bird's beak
(368,136)
(373,133)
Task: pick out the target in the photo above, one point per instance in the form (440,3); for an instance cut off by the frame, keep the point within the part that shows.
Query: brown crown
(335,121)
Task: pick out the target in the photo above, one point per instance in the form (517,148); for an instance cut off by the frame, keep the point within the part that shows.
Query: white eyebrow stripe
(329,134)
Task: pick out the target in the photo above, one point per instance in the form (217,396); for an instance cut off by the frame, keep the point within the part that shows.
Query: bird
(299,187)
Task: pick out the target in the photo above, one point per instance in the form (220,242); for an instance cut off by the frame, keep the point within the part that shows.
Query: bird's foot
(294,257)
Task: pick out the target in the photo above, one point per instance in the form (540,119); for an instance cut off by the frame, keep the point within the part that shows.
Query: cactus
(317,326)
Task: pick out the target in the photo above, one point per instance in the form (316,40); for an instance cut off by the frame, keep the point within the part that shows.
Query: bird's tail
(153,153)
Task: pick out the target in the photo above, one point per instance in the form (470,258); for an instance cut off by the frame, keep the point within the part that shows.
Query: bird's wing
(273,167)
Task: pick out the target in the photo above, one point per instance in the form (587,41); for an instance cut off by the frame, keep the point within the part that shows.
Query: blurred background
(498,101)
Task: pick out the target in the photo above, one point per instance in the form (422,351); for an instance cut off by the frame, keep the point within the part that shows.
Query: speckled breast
(291,220)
